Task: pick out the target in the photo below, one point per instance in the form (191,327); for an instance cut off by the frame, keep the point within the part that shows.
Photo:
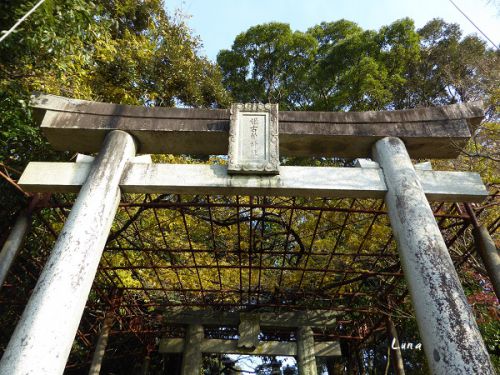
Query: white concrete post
(13,244)
(450,336)
(395,356)
(102,343)
(488,252)
(306,356)
(192,359)
(42,340)
(486,249)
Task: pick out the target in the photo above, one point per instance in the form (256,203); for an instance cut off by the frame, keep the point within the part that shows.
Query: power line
(19,21)
(472,22)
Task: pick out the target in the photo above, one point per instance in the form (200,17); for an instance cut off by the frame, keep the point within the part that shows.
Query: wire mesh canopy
(237,253)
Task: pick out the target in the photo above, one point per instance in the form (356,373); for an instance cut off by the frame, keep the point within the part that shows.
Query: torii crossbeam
(42,340)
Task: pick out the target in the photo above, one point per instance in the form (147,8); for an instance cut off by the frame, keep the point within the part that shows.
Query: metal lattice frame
(281,247)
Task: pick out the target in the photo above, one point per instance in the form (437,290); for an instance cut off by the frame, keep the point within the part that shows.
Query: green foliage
(123,51)
(268,62)
(455,69)
(339,66)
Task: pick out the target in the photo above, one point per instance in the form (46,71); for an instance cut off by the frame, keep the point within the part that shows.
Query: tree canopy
(122,51)
(338,66)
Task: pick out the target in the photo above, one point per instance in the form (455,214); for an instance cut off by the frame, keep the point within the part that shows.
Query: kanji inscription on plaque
(253,139)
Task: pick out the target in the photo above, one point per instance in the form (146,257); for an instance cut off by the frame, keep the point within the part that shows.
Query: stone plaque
(253,139)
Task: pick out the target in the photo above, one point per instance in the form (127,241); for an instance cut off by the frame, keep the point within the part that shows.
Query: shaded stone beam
(219,346)
(292,181)
(291,319)
(78,125)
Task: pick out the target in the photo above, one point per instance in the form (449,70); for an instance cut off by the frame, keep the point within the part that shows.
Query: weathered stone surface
(42,341)
(450,336)
(306,360)
(100,346)
(192,359)
(249,330)
(291,319)
(80,126)
(292,181)
(253,139)
(488,252)
(321,349)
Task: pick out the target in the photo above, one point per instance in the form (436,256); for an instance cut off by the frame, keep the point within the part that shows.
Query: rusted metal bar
(461,231)
(43,337)
(13,183)
(251,250)
(196,267)
(333,251)
(304,269)
(134,225)
(214,246)
(239,248)
(260,255)
(237,291)
(223,305)
(451,338)
(164,239)
(285,252)
(358,252)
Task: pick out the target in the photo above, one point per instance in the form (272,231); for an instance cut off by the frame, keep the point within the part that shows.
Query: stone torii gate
(254,135)
(305,349)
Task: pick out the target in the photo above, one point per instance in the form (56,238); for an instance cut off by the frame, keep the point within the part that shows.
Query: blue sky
(217,22)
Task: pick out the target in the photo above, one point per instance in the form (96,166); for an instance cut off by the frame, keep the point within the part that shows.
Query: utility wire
(19,21)
(465,15)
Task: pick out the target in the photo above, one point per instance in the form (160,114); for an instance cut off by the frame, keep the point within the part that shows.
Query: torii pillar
(451,339)
(42,340)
